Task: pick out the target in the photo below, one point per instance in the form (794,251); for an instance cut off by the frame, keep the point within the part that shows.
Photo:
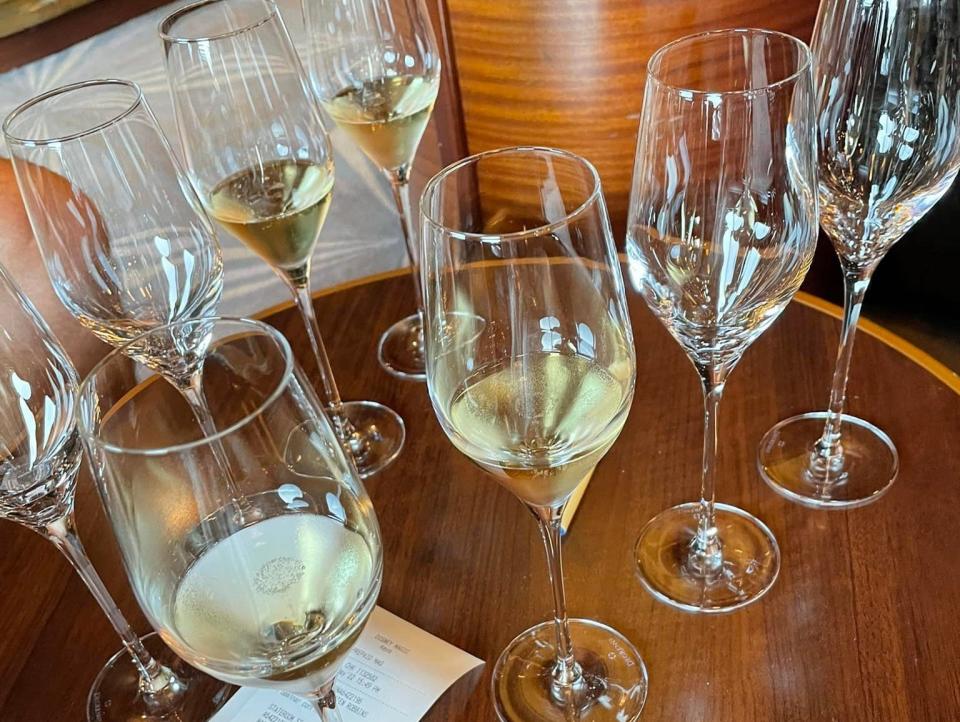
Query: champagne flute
(259,156)
(888,98)
(271,600)
(721,232)
(375,66)
(123,236)
(39,459)
(531,373)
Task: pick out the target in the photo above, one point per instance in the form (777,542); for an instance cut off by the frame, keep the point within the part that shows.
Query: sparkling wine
(386,117)
(540,424)
(273,604)
(277,209)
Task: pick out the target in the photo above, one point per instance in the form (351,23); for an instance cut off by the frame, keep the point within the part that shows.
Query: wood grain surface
(69,28)
(861,624)
(573,77)
(17,15)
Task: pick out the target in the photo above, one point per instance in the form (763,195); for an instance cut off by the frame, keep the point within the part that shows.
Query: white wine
(277,209)
(275,603)
(386,117)
(540,424)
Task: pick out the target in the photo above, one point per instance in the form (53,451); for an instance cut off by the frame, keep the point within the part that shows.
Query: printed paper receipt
(394,673)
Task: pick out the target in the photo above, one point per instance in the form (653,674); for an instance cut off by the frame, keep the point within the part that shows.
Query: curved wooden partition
(570,73)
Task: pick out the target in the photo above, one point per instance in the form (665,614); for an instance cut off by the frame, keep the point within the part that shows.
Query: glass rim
(167,23)
(430,190)
(135,102)
(85,391)
(804,64)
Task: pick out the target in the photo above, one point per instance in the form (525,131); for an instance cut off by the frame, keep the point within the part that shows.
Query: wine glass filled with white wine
(260,158)
(271,598)
(888,104)
(375,66)
(531,376)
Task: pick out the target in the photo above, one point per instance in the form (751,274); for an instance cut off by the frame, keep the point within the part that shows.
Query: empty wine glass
(531,373)
(375,66)
(39,460)
(123,236)
(721,232)
(259,156)
(888,98)
(270,599)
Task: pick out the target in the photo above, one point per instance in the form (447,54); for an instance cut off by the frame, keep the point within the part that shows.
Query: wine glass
(260,158)
(888,98)
(273,599)
(531,373)
(375,66)
(123,236)
(720,234)
(39,459)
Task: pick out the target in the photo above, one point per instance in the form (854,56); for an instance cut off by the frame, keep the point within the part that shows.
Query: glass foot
(861,474)
(379,433)
(673,574)
(115,695)
(401,349)
(614,685)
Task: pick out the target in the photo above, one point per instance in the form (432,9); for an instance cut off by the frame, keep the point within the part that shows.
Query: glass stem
(325,702)
(345,431)
(160,687)
(566,671)
(191,389)
(400,184)
(707,548)
(855,282)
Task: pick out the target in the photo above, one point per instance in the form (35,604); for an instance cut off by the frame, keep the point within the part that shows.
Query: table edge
(921,358)
(943,373)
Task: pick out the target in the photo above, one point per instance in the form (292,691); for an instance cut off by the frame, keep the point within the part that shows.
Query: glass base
(401,349)
(614,686)
(115,695)
(380,434)
(859,475)
(669,569)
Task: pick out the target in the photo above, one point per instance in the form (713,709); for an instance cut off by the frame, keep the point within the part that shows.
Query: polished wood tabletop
(861,624)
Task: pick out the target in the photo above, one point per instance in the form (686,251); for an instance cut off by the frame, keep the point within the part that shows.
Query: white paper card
(394,673)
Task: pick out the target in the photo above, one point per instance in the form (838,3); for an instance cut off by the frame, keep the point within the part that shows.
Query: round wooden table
(861,625)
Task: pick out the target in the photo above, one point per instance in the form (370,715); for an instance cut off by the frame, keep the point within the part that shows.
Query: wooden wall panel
(570,73)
